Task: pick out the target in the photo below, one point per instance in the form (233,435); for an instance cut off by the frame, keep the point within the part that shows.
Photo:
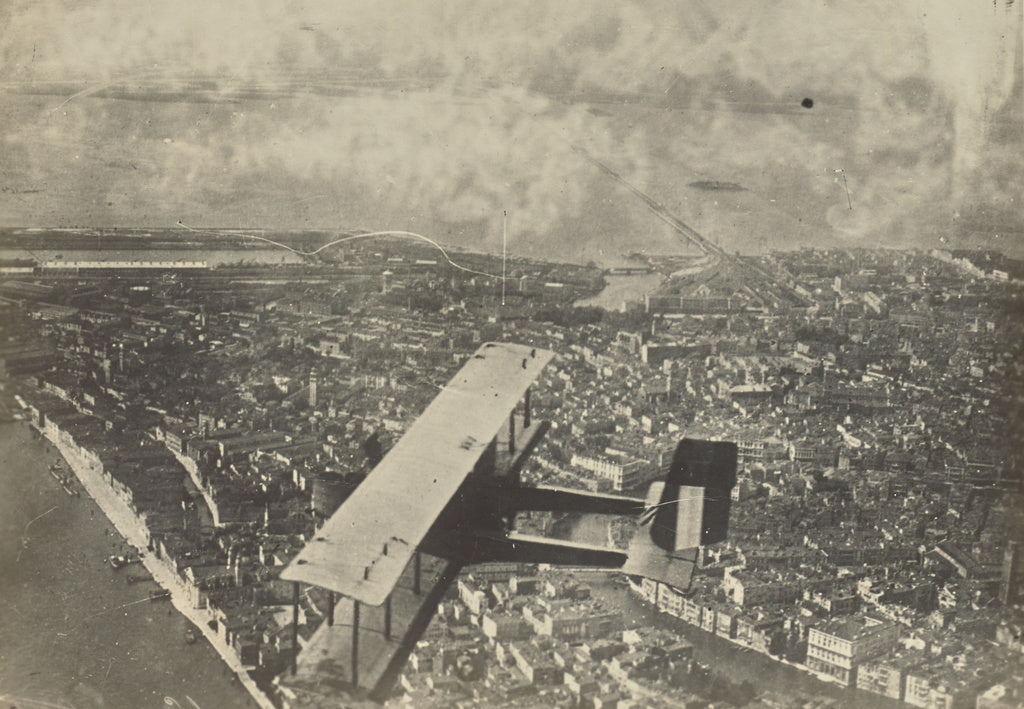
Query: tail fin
(690,509)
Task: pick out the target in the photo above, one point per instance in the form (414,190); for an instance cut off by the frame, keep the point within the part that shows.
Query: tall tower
(1008,586)
(312,390)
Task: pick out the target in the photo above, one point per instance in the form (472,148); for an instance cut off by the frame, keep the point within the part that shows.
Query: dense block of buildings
(838,647)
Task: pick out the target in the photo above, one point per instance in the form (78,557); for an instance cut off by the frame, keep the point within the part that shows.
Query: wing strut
(416,573)
(355,642)
(295,625)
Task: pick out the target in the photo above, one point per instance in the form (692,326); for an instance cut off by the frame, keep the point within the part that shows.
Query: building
(503,627)
(19,361)
(536,665)
(758,630)
(624,473)
(749,588)
(837,602)
(1006,694)
(836,648)
(474,597)
(886,675)
(15,265)
(702,304)
(725,622)
(940,685)
(750,451)
(669,600)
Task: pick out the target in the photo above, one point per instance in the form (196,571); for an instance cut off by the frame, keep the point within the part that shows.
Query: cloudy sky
(438,117)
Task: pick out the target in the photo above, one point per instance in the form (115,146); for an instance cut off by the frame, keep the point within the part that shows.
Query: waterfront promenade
(74,633)
(132,529)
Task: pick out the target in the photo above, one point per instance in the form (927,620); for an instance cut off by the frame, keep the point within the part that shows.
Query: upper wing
(362,550)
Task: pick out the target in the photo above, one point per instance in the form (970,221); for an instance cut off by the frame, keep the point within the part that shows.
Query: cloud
(455,161)
(976,49)
(335,114)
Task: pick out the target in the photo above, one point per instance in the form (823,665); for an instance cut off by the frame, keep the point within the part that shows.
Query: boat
(118,561)
(65,481)
(135,578)
(190,635)
(161,595)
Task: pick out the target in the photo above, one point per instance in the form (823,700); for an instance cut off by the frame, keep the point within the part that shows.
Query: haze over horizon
(439,118)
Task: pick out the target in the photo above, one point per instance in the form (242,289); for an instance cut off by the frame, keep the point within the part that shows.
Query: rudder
(688,510)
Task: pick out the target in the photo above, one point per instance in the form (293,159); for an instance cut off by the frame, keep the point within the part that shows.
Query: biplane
(446,495)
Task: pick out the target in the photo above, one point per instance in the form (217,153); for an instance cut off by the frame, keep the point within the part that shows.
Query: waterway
(621,290)
(724,657)
(73,632)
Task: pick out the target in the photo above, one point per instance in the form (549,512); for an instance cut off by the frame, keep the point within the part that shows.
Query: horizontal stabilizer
(647,559)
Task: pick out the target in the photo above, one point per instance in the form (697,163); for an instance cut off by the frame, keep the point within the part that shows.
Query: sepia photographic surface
(492,354)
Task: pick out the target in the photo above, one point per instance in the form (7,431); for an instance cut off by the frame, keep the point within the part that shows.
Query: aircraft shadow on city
(446,496)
